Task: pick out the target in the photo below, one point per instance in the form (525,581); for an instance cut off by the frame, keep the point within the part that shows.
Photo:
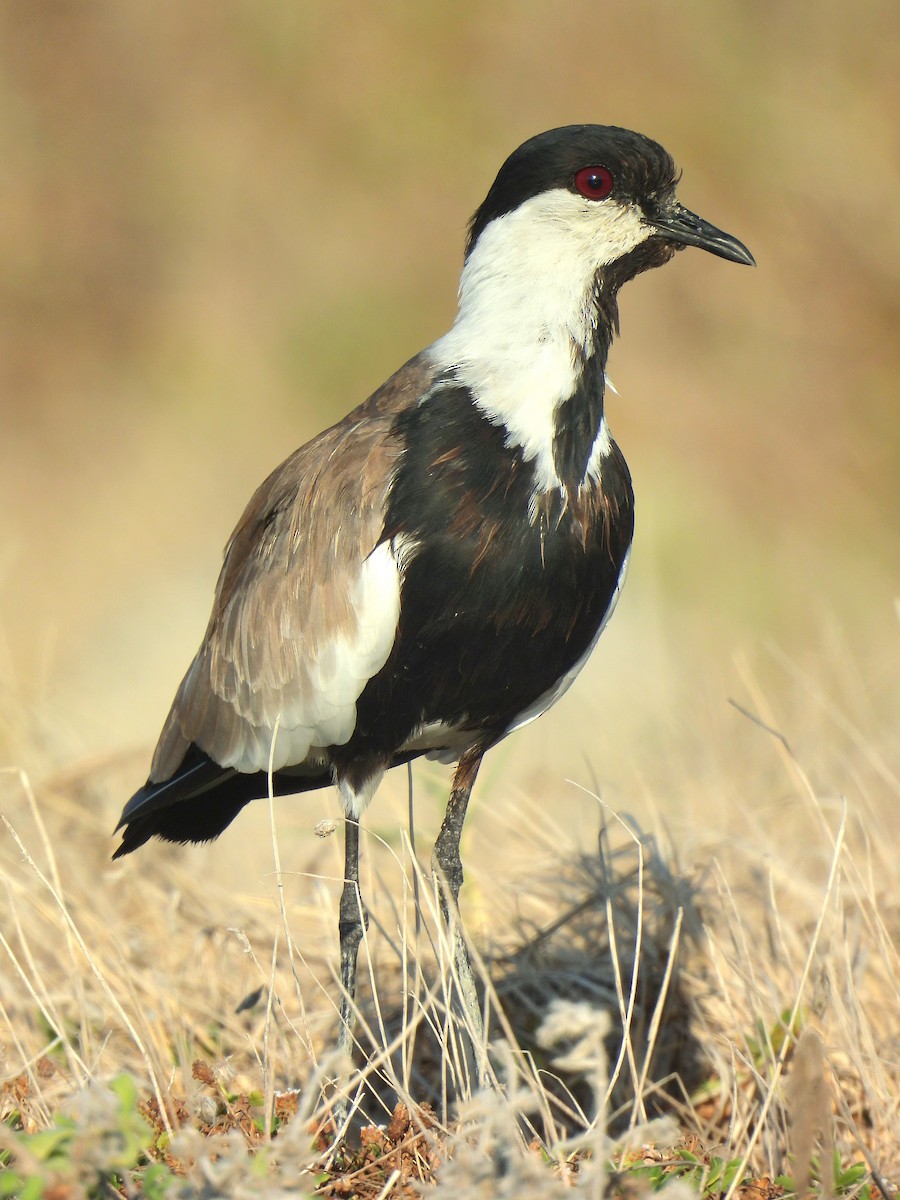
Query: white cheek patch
(526,315)
(613,230)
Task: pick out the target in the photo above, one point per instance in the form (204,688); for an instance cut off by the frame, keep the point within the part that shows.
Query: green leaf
(849,1178)
(33,1189)
(155,1181)
(49,1143)
(687,1156)
(126,1089)
(11,1183)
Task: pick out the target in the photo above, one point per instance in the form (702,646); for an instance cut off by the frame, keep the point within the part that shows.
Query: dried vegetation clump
(729,1029)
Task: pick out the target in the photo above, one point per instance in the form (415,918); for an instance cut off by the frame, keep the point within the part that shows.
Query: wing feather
(307,602)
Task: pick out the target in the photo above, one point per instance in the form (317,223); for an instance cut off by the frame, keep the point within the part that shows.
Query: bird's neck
(530,343)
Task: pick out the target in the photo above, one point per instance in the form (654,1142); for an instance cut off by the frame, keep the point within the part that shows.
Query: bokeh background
(222,225)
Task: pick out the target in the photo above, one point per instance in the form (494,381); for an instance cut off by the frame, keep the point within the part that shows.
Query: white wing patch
(317,702)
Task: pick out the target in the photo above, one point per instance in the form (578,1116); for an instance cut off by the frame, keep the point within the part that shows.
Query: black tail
(199,801)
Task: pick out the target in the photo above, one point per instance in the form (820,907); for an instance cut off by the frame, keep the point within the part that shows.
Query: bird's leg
(353,921)
(445,857)
(447,867)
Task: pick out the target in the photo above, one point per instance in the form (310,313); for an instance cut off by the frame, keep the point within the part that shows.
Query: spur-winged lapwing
(432,572)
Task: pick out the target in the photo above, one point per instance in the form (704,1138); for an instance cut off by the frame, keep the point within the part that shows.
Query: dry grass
(752,1000)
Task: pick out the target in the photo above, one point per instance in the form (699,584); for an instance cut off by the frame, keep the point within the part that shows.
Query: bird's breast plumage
(505,587)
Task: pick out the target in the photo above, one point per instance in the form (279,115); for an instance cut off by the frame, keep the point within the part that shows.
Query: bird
(432,572)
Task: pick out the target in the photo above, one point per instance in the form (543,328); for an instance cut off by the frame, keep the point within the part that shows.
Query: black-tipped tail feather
(199,801)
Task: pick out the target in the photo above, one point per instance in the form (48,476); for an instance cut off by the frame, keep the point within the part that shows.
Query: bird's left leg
(447,866)
(357,779)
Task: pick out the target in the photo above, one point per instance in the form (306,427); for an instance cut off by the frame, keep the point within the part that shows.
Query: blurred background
(221,226)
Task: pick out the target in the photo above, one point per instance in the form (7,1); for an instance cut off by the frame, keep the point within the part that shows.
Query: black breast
(500,599)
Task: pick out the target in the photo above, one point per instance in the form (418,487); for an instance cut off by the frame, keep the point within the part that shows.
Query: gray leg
(352,922)
(447,866)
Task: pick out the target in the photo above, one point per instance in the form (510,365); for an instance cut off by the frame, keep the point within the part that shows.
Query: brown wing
(306,604)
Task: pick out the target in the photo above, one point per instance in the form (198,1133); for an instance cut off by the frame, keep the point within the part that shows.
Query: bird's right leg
(447,867)
(352,923)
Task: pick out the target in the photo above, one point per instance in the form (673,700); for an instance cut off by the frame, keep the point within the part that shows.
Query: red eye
(594,183)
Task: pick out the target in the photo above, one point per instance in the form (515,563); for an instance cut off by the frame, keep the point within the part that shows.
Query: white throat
(527,317)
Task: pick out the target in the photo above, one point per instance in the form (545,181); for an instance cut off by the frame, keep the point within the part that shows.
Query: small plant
(705,1175)
(97,1139)
(767,1044)
(845,1181)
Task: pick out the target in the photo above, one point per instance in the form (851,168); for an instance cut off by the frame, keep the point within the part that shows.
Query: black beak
(679,224)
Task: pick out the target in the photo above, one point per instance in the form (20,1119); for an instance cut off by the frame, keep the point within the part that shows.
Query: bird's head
(593,202)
